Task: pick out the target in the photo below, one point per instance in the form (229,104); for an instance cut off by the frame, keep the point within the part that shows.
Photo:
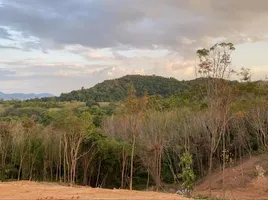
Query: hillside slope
(116,89)
(243,181)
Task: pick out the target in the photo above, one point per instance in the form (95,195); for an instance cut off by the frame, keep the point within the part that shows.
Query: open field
(38,191)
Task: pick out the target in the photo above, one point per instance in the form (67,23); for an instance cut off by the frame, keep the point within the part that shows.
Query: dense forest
(138,131)
(117,89)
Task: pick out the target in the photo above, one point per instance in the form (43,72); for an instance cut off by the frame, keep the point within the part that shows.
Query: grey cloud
(118,56)
(132,23)
(4,34)
(90,23)
(24,46)
(5,72)
(30,45)
(102,71)
(40,63)
(10,47)
(37,68)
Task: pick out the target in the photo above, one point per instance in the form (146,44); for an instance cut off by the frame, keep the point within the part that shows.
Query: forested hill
(116,89)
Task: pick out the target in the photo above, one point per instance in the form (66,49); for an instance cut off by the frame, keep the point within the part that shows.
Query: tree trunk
(148,178)
(57,172)
(86,165)
(98,176)
(242,171)
(123,167)
(31,169)
(132,158)
(210,169)
(19,172)
(74,171)
(223,164)
(159,163)
(60,162)
(64,168)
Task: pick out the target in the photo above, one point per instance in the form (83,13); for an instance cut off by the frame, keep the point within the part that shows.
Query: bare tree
(152,143)
(215,65)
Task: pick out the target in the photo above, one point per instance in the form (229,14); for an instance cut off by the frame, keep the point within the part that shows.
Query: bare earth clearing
(242,181)
(34,190)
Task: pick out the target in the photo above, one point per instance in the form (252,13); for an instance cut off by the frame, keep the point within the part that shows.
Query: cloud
(10,47)
(116,72)
(5,72)
(173,24)
(36,67)
(4,34)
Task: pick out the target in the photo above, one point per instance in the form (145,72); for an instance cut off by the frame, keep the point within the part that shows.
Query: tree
(187,174)
(245,74)
(74,130)
(129,122)
(152,142)
(215,65)
(132,121)
(5,144)
(92,103)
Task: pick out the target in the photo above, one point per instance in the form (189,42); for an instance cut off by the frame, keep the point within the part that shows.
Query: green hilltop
(117,89)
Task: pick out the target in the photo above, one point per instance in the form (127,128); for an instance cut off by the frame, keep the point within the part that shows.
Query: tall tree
(215,65)
(74,130)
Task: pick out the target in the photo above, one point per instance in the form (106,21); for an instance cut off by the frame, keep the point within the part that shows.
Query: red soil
(38,191)
(241,182)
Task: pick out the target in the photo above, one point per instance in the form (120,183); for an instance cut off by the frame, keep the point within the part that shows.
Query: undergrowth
(207,197)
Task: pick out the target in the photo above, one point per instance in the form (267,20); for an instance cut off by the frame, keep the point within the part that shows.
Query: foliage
(117,89)
(92,103)
(187,175)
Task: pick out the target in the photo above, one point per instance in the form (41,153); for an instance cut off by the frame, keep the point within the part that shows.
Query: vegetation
(117,89)
(187,175)
(150,137)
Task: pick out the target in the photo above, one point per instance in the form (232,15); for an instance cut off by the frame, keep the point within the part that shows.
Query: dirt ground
(41,191)
(241,181)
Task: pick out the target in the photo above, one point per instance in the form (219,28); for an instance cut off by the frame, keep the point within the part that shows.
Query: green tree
(187,175)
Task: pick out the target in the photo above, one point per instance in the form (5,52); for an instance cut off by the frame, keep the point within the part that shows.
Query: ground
(242,181)
(246,181)
(51,191)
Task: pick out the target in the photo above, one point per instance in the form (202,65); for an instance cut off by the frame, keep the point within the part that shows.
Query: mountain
(117,89)
(22,96)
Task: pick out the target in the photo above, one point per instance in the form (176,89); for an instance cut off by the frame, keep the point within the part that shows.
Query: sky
(57,46)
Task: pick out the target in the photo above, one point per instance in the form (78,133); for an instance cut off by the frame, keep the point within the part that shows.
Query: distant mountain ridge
(22,96)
